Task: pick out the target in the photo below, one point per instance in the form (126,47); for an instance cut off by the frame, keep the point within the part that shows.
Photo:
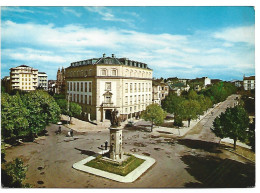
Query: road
(202,130)
(191,161)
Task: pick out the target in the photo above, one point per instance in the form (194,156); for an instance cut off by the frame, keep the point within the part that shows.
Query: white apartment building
(101,85)
(249,82)
(24,78)
(43,80)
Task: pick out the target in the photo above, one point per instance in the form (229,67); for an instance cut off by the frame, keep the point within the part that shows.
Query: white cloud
(71,11)
(106,14)
(59,46)
(16,9)
(237,34)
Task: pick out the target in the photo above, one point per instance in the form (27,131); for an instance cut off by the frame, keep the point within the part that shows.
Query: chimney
(104,55)
(113,55)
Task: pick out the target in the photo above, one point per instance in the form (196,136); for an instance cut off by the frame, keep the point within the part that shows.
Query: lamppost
(68,108)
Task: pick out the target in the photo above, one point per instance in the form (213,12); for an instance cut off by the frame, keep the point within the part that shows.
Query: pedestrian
(59,130)
(71,132)
(106,144)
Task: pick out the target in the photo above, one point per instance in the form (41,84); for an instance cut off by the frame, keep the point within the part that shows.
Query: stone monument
(116,149)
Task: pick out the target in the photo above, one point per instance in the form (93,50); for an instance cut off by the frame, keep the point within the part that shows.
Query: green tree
(13,117)
(191,109)
(233,123)
(192,95)
(74,108)
(42,110)
(154,113)
(13,174)
(172,104)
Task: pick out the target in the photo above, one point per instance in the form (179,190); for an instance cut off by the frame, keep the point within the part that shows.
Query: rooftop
(249,78)
(110,60)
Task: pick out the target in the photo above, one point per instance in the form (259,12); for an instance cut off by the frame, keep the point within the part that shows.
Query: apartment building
(43,80)
(24,78)
(249,82)
(160,90)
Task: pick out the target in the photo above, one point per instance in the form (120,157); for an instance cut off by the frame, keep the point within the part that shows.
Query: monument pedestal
(116,144)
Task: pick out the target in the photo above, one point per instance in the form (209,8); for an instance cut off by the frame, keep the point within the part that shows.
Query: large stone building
(23,78)
(160,90)
(43,80)
(249,82)
(101,85)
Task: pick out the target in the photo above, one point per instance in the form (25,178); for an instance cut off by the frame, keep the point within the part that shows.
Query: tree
(13,174)
(74,108)
(233,123)
(154,113)
(191,109)
(172,104)
(13,117)
(42,110)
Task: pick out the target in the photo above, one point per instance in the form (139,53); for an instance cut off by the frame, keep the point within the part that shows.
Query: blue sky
(187,42)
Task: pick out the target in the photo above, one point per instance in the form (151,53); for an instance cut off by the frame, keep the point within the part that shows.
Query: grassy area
(125,168)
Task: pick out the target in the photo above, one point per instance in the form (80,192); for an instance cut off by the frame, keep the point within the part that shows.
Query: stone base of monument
(116,161)
(130,177)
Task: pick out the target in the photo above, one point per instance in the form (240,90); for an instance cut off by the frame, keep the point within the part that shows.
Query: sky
(175,41)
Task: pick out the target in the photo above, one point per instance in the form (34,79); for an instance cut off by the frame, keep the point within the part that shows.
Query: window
(131,99)
(74,87)
(107,99)
(143,87)
(81,97)
(108,86)
(90,102)
(114,72)
(86,87)
(146,87)
(125,110)
(126,100)
(86,99)
(77,86)
(90,87)
(78,98)
(139,88)
(131,87)
(81,87)
(135,87)
(130,109)
(139,98)
(103,72)
(126,87)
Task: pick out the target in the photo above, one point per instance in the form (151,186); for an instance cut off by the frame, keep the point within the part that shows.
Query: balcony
(107,104)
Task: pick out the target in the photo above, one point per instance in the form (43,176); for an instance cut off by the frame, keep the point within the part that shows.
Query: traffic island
(128,171)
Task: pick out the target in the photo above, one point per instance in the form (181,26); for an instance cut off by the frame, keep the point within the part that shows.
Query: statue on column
(115,120)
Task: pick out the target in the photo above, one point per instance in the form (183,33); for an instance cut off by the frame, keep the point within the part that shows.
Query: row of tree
(186,107)
(26,115)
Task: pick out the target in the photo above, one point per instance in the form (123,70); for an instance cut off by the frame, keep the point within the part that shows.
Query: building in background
(23,78)
(52,86)
(160,90)
(237,83)
(60,83)
(43,80)
(101,85)
(199,83)
(249,82)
